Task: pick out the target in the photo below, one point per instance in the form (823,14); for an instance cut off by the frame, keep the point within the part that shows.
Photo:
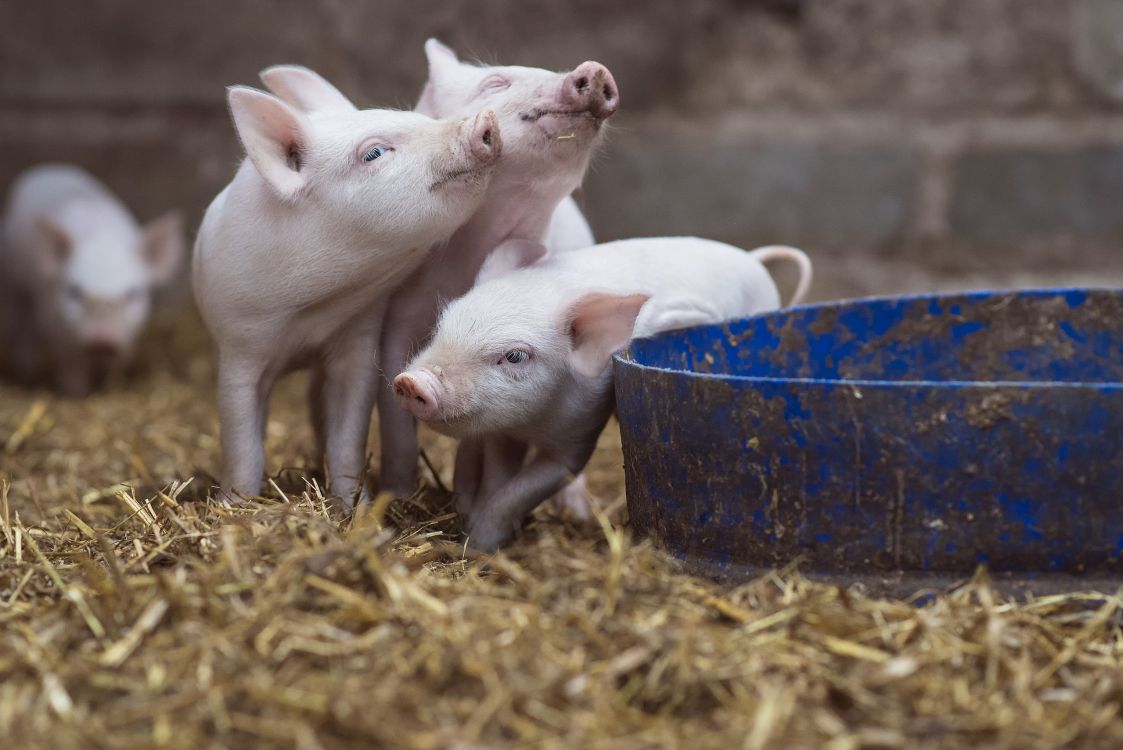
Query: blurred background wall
(906,143)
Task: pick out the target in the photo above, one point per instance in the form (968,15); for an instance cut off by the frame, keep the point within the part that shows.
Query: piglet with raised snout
(524,358)
(332,209)
(551,123)
(77,275)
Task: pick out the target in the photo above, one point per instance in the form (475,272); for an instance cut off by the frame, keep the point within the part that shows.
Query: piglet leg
(397,429)
(467,474)
(483,465)
(243,395)
(18,335)
(349,391)
(503,458)
(73,376)
(496,519)
(316,410)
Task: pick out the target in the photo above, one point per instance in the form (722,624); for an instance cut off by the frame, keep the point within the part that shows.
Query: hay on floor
(135,613)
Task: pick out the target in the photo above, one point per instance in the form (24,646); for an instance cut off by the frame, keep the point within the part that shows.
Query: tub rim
(625,357)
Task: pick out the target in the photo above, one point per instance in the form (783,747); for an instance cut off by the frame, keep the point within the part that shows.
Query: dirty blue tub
(899,439)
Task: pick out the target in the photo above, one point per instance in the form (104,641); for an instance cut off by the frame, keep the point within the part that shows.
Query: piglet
(333,207)
(551,124)
(524,358)
(77,275)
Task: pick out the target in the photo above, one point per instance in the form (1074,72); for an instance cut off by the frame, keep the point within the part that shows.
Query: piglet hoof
(574,500)
(353,498)
(485,536)
(227,495)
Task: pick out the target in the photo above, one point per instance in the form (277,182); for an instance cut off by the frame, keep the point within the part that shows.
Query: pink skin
(296,257)
(76,276)
(524,358)
(421,388)
(496,486)
(551,123)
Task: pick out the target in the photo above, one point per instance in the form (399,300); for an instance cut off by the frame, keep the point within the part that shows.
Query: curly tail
(783,252)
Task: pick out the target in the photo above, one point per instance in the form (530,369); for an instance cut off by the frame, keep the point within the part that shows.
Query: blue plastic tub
(886,438)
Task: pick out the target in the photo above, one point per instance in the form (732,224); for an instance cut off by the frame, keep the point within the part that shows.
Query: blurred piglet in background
(525,357)
(331,209)
(76,277)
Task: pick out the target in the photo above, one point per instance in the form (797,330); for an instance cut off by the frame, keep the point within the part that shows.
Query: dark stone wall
(979,134)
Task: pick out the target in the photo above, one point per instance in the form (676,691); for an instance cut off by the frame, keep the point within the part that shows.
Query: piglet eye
(495,83)
(373,153)
(516,356)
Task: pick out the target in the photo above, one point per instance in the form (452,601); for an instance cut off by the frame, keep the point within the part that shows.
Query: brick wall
(978,135)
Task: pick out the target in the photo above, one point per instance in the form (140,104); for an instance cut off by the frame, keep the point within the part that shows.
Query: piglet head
(551,121)
(403,177)
(500,359)
(101,271)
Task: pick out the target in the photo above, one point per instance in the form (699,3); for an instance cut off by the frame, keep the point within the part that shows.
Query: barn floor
(133,614)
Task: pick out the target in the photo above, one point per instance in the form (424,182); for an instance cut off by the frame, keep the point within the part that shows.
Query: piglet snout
(418,392)
(591,87)
(483,138)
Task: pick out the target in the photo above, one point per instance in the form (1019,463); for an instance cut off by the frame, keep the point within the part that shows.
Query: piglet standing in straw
(77,275)
(332,208)
(551,123)
(526,355)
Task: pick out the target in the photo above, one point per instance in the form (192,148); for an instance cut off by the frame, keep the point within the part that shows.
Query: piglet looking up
(332,208)
(551,123)
(523,359)
(77,275)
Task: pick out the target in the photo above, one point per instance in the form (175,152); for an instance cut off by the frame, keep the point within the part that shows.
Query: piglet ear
(163,246)
(440,56)
(275,138)
(508,256)
(442,63)
(55,247)
(304,89)
(600,324)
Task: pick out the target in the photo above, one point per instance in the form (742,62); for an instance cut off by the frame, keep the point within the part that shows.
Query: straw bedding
(136,614)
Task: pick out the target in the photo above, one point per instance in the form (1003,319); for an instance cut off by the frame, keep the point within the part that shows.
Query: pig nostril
(582,85)
(487,137)
(608,93)
(420,400)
